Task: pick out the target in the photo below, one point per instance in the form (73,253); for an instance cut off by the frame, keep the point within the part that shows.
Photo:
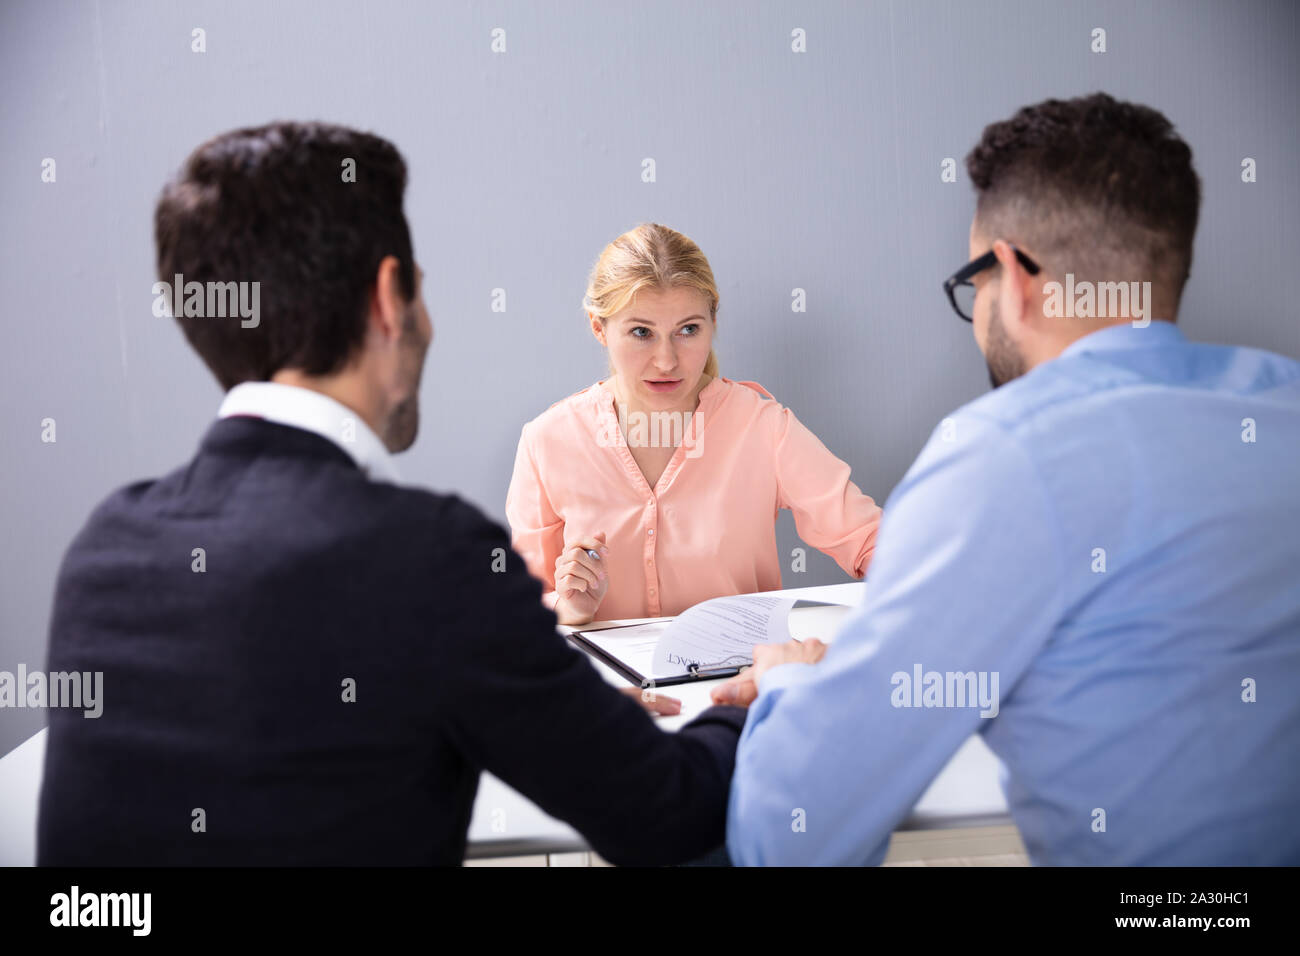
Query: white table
(505,823)
(965,794)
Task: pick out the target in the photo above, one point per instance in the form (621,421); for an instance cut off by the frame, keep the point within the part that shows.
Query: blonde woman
(659,487)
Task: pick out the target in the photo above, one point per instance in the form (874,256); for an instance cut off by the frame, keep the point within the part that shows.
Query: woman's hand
(581,580)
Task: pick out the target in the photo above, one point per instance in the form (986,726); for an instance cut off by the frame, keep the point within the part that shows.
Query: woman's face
(658,346)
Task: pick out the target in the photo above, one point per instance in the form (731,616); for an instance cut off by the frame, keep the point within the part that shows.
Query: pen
(697,671)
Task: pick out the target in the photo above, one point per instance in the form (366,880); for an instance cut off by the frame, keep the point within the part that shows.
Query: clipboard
(583,640)
(584,643)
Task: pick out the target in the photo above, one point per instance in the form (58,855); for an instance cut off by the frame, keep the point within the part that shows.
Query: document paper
(722,633)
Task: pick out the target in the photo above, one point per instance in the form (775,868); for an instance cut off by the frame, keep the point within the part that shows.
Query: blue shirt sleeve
(968,577)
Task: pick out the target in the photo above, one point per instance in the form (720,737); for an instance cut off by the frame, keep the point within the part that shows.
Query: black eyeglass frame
(971,269)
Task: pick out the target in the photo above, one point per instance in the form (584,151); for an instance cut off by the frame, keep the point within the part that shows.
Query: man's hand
(657,704)
(743,688)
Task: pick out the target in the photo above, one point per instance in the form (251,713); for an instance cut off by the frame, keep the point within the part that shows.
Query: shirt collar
(314,412)
(1126,335)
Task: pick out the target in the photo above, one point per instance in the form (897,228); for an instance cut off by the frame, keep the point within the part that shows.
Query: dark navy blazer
(328,687)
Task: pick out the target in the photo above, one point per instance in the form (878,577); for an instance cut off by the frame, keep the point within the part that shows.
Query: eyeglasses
(960,289)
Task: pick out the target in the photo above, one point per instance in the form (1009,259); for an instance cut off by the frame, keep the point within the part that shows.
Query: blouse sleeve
(536,531)
(830,512)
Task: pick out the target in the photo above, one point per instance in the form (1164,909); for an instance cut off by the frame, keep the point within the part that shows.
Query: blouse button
(651,531)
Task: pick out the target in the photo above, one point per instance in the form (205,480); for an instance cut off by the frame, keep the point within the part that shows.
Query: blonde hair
(655,257)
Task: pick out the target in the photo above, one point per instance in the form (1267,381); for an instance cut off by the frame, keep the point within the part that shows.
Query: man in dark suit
(304,662)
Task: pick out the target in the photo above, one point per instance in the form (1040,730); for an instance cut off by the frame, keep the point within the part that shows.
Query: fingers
(742,690)
(662,706)
(594,542)
(577,577)
(813,650)
(808,651)
(739,691)
(575,568)
(654,703)
(794,651)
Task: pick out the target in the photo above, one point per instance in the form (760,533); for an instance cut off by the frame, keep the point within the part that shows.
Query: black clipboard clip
(697,672)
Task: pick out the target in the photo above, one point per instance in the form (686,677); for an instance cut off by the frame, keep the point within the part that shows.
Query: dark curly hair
(269,204)
(1093,186)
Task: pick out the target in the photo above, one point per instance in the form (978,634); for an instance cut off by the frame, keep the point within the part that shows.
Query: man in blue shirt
(1096,565)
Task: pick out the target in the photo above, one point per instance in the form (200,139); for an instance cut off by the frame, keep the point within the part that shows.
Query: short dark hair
(1093,186)
(270,204)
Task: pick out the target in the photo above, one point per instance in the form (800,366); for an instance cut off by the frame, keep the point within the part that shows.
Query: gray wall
(818,170)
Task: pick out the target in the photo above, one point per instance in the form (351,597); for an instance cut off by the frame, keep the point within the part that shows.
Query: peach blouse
(708,527)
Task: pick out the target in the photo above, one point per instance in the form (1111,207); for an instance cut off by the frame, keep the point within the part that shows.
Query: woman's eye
(694,329)
(640,328)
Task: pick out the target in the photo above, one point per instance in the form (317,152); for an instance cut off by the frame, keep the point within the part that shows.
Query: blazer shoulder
(122,505)
(425,511)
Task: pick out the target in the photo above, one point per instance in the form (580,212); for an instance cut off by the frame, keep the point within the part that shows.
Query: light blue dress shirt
(1116,537)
